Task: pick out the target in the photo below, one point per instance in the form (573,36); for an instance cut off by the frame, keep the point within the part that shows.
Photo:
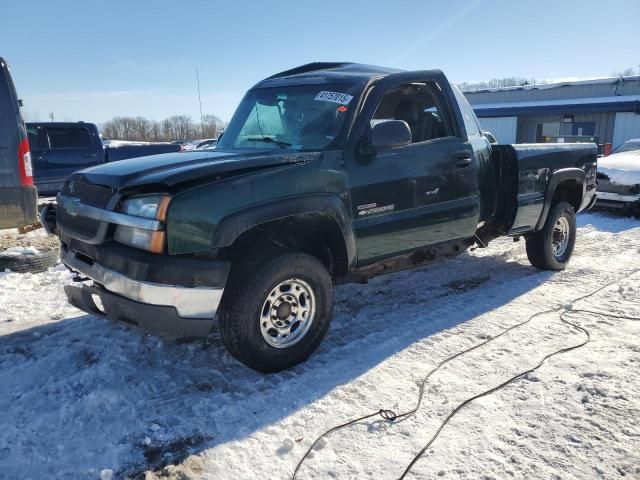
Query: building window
(551,132)
(548,132)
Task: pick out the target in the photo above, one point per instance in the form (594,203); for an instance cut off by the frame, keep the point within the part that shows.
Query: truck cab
(327,173)
(60,148)
(18,196)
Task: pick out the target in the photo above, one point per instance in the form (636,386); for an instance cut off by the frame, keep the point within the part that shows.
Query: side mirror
(489,136)
(392,133)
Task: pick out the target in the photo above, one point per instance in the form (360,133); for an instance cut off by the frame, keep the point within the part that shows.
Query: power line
(391,416)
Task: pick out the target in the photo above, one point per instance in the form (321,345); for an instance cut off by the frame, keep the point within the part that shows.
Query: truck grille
(88,194)
(87,227)
(93,195)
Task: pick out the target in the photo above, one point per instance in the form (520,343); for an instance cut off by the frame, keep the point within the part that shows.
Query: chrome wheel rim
(287,313)
(560,237)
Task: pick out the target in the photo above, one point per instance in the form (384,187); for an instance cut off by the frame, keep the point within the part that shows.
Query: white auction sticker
(335,97)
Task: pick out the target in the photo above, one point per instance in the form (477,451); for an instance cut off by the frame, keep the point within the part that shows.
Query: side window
(419,105)
(468,115)
(68,137)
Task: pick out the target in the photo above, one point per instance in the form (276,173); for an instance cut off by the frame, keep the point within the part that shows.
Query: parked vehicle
(60,148)
(619,178)
(200,144)
(207,144)
(630,145)
(18,196)
(329,172)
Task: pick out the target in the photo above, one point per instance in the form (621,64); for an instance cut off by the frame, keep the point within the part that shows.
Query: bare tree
(176,127)
(211,126)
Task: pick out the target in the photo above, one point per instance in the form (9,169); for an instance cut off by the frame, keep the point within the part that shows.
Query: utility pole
(51,116)
(200,102)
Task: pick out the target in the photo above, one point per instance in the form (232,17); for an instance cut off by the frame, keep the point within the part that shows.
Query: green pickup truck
(327,173)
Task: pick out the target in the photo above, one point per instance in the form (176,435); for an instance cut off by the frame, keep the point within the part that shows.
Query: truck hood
(170,169)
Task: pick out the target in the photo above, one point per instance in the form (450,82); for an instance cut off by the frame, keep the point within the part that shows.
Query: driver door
(409,197)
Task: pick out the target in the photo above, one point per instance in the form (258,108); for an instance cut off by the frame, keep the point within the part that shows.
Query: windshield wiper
(269,140)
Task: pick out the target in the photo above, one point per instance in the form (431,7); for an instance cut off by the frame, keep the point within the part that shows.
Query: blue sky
(92,60)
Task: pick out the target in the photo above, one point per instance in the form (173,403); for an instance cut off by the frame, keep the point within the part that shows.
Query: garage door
(627,126)
(504,128)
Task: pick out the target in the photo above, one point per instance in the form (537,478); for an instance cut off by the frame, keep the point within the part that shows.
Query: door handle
(462,162)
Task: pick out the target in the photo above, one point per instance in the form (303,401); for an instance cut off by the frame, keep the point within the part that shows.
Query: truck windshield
(299,117)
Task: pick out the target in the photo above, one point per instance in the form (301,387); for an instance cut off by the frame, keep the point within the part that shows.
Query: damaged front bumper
(173,310)
(618,200)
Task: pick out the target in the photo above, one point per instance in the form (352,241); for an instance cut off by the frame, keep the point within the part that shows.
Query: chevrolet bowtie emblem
(71,206)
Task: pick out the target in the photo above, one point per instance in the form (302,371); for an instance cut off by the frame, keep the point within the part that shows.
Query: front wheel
(276,310)
(551,247)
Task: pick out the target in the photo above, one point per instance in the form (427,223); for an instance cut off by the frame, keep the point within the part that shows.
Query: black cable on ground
(391,416)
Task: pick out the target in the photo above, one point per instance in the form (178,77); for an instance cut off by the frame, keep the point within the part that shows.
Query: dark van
(18,196)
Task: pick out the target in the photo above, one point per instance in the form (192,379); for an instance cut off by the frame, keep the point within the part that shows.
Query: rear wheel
(551,247)
(276,310)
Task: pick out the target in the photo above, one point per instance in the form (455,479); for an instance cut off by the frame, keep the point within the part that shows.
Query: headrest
(410,111)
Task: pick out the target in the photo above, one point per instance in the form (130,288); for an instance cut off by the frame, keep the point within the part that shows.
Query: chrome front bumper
(190,303)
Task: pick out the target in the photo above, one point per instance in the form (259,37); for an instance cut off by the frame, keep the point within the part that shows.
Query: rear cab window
(468,115)
(38,139)
(66,138)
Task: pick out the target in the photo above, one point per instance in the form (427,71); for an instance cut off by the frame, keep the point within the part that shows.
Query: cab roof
(323,72)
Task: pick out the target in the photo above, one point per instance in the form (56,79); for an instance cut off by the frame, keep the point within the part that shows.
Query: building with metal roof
(605,111)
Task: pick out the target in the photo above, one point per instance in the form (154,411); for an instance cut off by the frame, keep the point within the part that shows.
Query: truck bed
(524,173)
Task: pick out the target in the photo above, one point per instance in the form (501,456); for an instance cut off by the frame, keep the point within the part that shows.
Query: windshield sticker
(335,97)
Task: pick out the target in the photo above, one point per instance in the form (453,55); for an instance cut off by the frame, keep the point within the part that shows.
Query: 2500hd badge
(372,208)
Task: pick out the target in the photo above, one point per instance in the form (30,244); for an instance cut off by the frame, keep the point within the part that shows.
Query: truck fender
(232,226)
(556,179)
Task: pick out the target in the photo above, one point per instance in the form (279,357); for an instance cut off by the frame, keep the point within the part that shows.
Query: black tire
(540,245)
(242,308)
(30,263)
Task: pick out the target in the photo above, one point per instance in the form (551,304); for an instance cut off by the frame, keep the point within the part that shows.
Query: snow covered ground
(82,397)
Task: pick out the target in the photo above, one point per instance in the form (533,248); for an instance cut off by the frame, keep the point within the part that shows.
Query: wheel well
(569,191)
(317,234)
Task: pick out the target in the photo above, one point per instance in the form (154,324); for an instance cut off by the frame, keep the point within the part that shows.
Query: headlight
(150,240)
(145,206)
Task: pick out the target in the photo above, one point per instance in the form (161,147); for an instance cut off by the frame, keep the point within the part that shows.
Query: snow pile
(127,143)
(15,244)
(621,168)
(19,251)
(82,397)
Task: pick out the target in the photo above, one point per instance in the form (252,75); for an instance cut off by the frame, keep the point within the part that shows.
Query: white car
(619,178)
(200,144)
